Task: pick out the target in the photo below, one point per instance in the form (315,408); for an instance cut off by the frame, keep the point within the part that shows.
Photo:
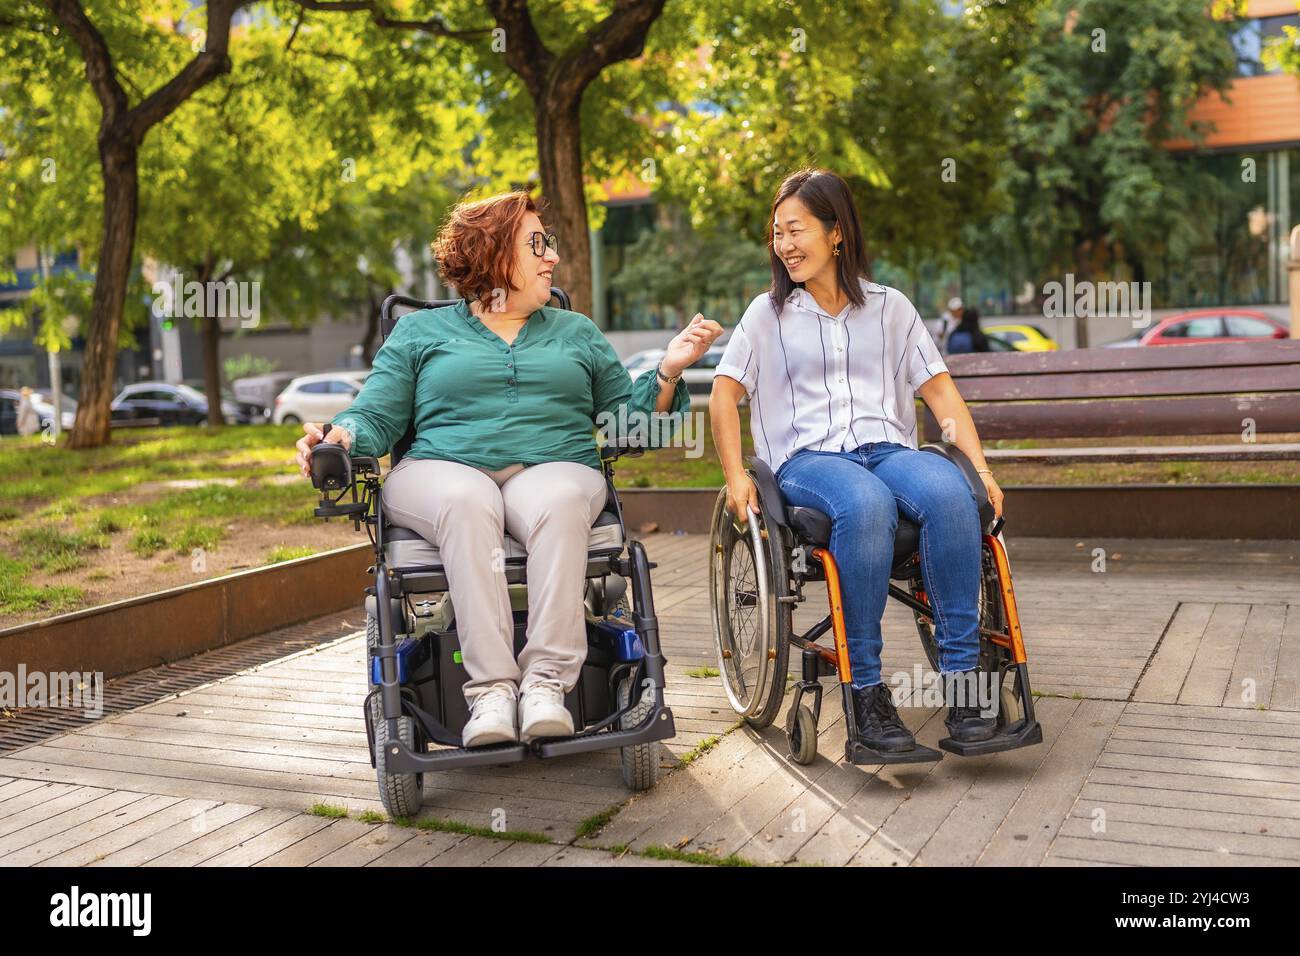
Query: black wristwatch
(659,370)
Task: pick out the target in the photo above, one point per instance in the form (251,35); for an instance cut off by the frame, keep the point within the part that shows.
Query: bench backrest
(1203,389)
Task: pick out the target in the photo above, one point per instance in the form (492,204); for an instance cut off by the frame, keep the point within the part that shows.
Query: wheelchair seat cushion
(814,527)
(405,548)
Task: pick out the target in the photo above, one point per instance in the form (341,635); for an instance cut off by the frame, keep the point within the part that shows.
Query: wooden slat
(1107,418)
(1242,451)
(1210,355)
(1132,383)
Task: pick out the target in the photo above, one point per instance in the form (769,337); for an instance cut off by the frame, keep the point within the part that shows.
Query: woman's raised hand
(314,436)
(689,344)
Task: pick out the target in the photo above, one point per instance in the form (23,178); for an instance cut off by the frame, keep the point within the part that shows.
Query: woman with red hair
(503,392)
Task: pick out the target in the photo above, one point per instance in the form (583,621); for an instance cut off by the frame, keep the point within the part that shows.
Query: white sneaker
(492,717)
(542,712)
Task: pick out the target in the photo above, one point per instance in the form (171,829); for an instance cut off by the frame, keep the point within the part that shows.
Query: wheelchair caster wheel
(801,732)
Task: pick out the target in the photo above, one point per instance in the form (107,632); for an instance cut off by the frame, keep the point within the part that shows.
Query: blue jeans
(863,491)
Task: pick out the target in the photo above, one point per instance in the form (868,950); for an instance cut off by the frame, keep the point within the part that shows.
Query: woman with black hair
(832,364)
(967,337)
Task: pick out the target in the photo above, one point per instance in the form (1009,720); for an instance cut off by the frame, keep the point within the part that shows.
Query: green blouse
(474,399)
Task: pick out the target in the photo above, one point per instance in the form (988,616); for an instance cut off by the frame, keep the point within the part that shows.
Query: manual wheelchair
(415,667)
(757,575)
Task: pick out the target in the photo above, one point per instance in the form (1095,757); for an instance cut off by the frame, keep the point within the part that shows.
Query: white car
(316,398)
(698,378)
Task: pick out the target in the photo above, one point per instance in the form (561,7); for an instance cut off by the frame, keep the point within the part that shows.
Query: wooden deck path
(1172,736)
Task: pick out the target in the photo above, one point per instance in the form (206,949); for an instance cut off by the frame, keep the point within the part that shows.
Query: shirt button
(838,349)
(510,381)
(841,380)
(510,364)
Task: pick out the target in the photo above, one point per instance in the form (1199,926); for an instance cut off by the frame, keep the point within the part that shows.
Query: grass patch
(660,852)
(704,672)
(371,816)
(105,524)
(17,596)
(699,750)
(147,541)
(454,826)
(51,549)
(595,823)
(329,810)
(194,536)
(286,553)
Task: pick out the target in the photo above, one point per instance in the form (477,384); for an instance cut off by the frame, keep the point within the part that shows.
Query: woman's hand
(741,496)
(995,493)
(314,436)
(689,344)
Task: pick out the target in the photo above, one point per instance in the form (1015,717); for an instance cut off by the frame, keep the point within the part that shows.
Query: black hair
(827,197)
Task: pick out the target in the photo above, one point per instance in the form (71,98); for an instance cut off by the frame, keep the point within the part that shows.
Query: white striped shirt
(831,383)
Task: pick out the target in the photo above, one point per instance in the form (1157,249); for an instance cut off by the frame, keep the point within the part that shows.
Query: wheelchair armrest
(958,458)
(769,492)
(612,452)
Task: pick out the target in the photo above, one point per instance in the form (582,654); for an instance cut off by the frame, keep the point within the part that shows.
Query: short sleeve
(923,360)
(738,359)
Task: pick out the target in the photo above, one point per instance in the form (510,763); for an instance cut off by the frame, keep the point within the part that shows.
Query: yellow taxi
(1024,338)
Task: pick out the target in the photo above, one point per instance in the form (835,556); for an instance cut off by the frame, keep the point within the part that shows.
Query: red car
(1209,325)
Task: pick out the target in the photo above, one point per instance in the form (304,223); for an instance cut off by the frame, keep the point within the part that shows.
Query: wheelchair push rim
(743,608)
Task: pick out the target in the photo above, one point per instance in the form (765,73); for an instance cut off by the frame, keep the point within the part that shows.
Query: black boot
(879,726)
(964,722)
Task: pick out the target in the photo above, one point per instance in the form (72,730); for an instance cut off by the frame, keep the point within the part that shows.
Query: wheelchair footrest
(659,728)
(860,753)
(1024,734)
(399,759)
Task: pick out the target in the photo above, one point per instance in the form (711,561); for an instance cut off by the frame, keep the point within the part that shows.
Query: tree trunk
(559,155)
(1083,273)
(211,331)
(119,165)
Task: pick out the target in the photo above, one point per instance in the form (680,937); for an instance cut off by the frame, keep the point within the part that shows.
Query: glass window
(315,388)
(1206,327)
(340,387)
(1243,326)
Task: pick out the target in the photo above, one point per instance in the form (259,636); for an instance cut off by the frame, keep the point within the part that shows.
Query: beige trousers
(549,509)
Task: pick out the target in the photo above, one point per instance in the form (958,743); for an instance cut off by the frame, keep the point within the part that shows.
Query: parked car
(1208,325)
(246,412)
(698,378)
(1023,338)
(170,404)
(9,399)
(315,398)
(260,390)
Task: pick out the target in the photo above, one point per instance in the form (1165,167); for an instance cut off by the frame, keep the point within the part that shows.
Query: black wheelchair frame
(334,470)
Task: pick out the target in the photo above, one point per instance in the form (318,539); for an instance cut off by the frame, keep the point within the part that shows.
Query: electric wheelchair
(415,667)
(757,576)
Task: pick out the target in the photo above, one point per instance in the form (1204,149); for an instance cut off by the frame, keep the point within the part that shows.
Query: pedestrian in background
(967,337)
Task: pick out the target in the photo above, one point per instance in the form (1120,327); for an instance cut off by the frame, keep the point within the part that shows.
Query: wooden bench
(1111,393)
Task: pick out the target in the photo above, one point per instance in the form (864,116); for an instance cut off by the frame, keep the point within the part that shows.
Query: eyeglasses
(539,242)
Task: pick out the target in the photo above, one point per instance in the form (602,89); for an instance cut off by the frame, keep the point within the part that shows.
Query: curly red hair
(475,248)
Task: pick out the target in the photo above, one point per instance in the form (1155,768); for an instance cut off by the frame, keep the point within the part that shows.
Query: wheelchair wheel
(400,793)
(749,570)
(641,761)
(801,732)
(993,658)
